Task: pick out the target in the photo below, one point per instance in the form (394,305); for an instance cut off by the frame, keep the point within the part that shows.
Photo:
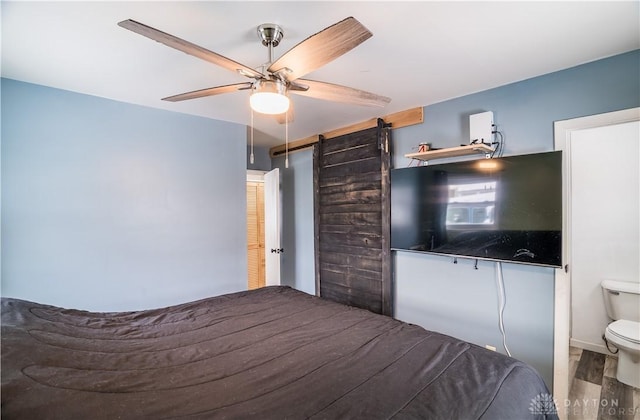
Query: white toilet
(622,301)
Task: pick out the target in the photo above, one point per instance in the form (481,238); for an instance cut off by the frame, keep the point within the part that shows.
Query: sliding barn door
(352,213)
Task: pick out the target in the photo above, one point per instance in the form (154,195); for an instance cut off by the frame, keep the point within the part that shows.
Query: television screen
(506,209)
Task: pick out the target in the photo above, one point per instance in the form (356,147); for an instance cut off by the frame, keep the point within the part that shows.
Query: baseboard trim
(598,348)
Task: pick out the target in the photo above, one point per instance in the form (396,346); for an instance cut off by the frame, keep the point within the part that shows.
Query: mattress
(270,353)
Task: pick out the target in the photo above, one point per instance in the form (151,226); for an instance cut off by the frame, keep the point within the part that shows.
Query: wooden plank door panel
(352,219)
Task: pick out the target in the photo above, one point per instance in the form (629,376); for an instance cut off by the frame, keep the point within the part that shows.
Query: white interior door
(272,219)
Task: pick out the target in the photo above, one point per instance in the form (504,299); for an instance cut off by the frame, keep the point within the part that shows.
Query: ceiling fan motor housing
(270,34)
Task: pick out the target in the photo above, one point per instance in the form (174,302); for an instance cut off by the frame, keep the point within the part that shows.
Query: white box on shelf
(480,127)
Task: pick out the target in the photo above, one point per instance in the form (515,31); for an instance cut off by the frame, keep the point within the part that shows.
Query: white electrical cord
(502,301)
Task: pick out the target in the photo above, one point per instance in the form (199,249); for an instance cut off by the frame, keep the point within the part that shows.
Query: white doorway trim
(562,301)
(255,176)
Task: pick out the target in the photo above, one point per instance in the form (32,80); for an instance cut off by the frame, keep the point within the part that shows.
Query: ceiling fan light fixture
(269,97)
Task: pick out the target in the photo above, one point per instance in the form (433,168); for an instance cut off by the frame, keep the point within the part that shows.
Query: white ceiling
(420,53)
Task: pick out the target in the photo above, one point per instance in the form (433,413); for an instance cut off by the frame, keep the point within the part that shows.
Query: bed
(270,353)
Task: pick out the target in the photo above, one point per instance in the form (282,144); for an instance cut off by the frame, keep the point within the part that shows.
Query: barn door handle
(277,250)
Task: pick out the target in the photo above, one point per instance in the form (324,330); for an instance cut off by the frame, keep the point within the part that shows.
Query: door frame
(562,297)
(272,222)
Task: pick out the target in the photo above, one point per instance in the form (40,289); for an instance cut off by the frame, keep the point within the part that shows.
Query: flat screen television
(504,209)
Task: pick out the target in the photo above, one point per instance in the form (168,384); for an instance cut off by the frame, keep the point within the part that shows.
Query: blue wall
(458,300)
(525,111)
(261,158)
(110,206)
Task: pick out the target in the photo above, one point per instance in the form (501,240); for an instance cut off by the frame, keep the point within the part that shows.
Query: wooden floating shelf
(451,152)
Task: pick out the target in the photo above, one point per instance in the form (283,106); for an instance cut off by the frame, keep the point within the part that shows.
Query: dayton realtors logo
(580,408)
(543,404)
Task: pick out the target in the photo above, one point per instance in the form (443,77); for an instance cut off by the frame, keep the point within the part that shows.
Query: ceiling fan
(271,85)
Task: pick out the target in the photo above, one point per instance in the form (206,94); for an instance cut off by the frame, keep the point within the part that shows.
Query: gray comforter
(272,353)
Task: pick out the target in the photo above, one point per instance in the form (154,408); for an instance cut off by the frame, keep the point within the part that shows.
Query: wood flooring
(595,393)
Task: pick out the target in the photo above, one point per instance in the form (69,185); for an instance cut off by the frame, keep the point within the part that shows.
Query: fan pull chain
(251,158)
(286,139)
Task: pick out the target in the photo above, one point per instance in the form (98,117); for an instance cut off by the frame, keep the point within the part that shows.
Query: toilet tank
(622,299)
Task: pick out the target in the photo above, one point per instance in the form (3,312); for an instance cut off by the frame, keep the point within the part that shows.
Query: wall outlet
(488,347)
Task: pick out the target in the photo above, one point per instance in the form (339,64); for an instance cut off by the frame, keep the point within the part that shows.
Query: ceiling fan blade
(289,115)
(189,48)
(321,48)
(208,92)
(337,93)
